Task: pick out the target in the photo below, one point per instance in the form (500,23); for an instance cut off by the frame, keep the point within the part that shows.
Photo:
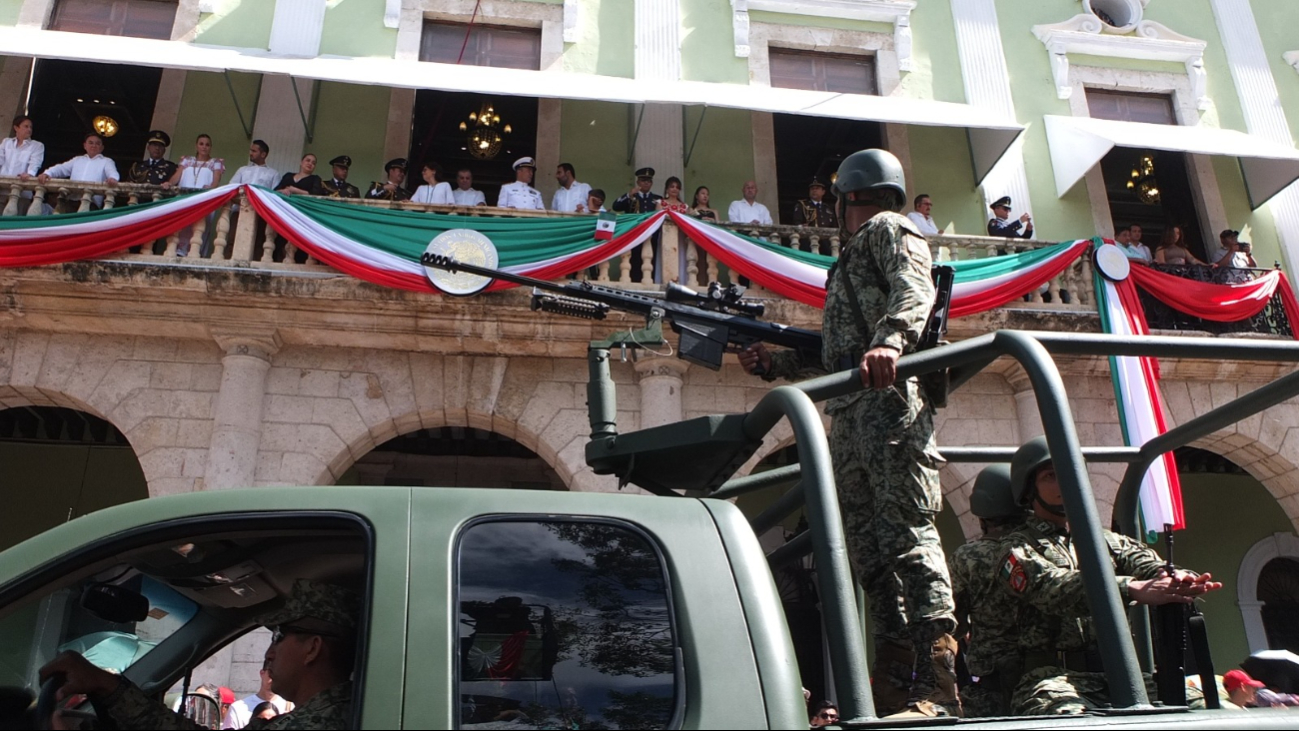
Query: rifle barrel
(451,265)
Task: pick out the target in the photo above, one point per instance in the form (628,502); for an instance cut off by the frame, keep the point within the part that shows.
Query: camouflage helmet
(1024,465)
(990,498)
(870,170)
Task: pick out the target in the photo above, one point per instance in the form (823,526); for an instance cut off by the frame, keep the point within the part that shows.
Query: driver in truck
(313,649)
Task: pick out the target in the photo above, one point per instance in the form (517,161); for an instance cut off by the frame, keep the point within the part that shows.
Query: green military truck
(504,609)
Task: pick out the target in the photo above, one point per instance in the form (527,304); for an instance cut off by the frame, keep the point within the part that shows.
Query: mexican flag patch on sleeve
(604,225)
(1012,571)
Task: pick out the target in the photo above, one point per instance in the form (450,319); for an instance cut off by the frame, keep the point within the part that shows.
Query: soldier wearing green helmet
(886,461)
(1041,656)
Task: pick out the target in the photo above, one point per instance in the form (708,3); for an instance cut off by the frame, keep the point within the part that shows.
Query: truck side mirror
(113,603)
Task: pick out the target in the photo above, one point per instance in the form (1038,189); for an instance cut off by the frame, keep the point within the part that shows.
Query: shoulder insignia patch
(1013,572)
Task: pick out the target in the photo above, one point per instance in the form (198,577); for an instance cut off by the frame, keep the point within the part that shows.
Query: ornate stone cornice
(897,12)
(1085,33)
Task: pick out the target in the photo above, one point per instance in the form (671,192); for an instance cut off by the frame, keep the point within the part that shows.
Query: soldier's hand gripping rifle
(709,323)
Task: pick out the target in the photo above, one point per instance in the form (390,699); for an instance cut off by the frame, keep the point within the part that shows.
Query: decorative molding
(392,14)
(660,367)
(658,40)
(897,12)
(296,27)
(258,342)
(1086,33)
(1277,545)
(572,15)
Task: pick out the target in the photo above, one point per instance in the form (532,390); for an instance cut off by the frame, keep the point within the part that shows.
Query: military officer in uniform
(337,186)
(970,566)
(313,643)
(1048,663)
(886,460)
(520,193)
(641,198)
(155,170)
(1001,225)
(391,189)
(814,211)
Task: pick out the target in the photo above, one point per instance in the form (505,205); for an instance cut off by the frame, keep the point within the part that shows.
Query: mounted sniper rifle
(693,456)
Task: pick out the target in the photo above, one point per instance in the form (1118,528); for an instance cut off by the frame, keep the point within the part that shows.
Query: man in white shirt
(464,194)
(1133,248)
(520,194)
(91,167)
(240,713)
(748,210)
(571,195)
(257,172)
(920,216)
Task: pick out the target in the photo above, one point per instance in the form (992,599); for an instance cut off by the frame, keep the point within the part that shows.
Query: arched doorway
(1278,590)
(453,456)
(57,464)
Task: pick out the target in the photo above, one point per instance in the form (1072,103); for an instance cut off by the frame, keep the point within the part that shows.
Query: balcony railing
(234,235)
(1272,320)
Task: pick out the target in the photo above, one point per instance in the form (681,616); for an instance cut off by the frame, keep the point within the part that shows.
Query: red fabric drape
(1216,302)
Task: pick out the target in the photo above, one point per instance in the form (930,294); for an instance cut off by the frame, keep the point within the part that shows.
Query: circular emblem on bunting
(465,246)
(1112,263)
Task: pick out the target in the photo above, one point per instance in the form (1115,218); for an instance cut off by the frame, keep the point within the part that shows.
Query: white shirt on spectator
(567,199)
(250,174)
(520,195)
(437,195)
(924,223)
(16,160)
(469,197)
(742,211)
(1137,251)
(86,169)
(240,713)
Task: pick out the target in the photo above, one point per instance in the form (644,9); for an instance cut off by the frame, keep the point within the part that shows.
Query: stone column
(237,427)
(661,379)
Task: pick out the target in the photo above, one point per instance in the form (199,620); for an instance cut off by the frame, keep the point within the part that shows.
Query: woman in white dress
(434,193)
(200,171)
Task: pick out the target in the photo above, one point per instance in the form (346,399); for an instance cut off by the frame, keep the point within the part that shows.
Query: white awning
(990,135)
(1078,144)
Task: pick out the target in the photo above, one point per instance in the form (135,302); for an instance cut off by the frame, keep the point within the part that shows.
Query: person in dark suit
(337,186)
(1001,225)
(642,198)
(814,210)
(156,170)
(392,189)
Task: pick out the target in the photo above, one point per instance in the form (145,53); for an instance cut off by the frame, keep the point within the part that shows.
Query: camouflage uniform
(972,567)
(885,458)
(131,708)
(1040,595)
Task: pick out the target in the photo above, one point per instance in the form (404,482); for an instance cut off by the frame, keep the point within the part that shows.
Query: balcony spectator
(520,194)
(432,192)
(1001,225)
(200,170)
(699,206)
(256,172)
(92,167)
(303,182)
(748,209)
(337,186)
(641,198)
(154,169)
(21,156)
(1235,253)
(920,216)
(393,186)
(815,211)
(1172,249)
(464,194)
(671,200)
(594,201)
(571,195)
(1129,242)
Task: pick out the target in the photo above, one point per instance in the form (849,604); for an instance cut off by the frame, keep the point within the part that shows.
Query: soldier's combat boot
(934,691)
(891,675)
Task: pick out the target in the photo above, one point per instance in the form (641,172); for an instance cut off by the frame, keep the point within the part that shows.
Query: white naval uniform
(520,195)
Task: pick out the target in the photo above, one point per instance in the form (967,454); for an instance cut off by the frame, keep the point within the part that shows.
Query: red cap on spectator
(228,696)
(1236,678)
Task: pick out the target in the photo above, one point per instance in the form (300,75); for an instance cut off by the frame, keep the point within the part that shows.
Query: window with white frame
(815,71)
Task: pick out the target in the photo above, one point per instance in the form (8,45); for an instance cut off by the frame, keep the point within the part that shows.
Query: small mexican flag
(604,225)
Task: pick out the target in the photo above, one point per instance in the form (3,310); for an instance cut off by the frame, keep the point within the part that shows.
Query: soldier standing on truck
(970,565)
(313,649)
(1049,663)
(878,297)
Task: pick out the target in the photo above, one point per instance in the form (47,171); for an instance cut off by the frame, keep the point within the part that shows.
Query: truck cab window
(564,625)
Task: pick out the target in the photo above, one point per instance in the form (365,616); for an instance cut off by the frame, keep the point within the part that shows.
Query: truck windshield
(46,624)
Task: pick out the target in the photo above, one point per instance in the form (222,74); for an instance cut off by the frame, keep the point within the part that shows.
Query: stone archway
(1278,545)
(453,457)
